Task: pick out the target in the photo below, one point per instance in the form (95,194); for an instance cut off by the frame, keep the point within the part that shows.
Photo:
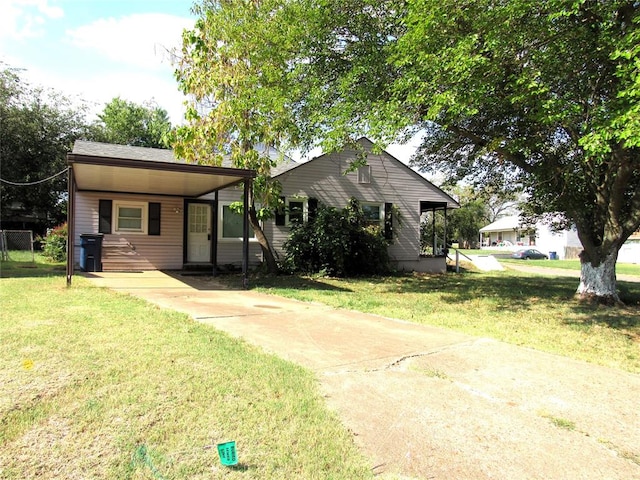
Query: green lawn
(621,268)
(533,311)
(96,384)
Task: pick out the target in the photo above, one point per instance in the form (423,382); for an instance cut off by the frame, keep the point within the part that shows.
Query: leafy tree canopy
(539,94)
(240,92)
(37,130)
(127,123)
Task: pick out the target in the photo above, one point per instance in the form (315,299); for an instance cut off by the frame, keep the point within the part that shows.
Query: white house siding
(230,251)
(391,182)
(562,243)
(630,251)
(139,251)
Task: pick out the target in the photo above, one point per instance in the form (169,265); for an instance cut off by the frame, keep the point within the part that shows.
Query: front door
(199,233)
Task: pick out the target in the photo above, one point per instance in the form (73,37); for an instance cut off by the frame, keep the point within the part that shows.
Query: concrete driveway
(429,403)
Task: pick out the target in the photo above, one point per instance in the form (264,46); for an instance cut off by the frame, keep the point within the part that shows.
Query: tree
(540,94)
(127,123)
(37,130)
(239,93)
(545,93)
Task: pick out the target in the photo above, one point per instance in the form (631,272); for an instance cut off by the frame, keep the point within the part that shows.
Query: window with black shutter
(388,221)
(154,218)
(104,214)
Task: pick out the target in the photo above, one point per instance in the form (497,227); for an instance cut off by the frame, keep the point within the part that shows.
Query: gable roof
(367,144)
(121,168)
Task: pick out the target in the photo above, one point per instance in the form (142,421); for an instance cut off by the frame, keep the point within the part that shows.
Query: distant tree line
(38,127)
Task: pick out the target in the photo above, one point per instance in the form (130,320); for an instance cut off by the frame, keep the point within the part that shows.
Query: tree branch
(516,159)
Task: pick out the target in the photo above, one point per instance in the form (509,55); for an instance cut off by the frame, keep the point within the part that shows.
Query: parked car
(529,253)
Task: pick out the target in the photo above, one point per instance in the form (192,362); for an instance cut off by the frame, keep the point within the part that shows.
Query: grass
(21,265)
(559,421)
(96,384)
(621,268)
(532,311)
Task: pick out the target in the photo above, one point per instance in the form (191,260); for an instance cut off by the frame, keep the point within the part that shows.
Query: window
(231,224)
(364,174)
(373,213)
(297,210)
(130,217)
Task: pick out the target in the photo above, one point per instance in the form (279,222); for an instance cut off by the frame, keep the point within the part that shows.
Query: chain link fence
(16,245)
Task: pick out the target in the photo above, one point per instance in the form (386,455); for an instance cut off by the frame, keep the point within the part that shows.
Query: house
(146,207)
(155,212)
(509,233)
(391,194)
(630,250)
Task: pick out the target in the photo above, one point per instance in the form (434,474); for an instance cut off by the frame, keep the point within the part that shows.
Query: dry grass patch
(100,385)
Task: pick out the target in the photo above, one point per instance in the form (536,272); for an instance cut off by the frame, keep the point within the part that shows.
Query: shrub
(337,243)
(55,244)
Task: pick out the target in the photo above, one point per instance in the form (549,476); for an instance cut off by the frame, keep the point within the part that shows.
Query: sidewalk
(429,403)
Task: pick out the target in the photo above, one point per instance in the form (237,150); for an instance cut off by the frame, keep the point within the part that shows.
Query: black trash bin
(91,252)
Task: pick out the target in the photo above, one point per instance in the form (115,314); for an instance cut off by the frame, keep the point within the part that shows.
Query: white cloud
(22,19)
(139,39)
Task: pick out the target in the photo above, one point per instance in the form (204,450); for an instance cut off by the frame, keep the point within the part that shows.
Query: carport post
(71,190)
(245,235)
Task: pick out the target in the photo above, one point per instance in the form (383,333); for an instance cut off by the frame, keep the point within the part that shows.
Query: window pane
(364,174)
(129,224)
(232,224)
(198,218)
(371,213)
(130,218)
(296,212)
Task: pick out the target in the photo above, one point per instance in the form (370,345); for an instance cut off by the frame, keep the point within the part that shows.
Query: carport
(99,167)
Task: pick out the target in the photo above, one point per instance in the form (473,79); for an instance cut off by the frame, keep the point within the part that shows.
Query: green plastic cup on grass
(227,452)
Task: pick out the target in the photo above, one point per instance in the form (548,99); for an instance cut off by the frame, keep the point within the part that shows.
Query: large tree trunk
(598,279)
(267,251)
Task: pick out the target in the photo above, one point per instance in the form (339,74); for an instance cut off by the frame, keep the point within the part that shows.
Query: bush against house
(337,242)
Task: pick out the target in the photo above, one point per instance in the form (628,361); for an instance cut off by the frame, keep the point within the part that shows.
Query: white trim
(144,214)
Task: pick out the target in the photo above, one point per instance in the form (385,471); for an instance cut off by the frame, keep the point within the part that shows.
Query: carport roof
(121,168)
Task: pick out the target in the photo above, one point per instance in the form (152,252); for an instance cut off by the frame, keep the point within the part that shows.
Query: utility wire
(34,183)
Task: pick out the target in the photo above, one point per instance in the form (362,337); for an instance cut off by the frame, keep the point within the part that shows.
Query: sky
(95,50)
(98,49)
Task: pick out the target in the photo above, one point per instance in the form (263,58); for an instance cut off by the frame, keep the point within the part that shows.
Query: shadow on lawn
(522,292)
(12,269)
(292,282)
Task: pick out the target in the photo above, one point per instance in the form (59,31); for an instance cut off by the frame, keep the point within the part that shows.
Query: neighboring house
(510,234)
(630,251)
(156,212)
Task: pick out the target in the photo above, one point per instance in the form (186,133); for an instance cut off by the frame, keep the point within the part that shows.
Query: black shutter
(280,214)
(154,219)
(313,207)
(104,214)
(388,221)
